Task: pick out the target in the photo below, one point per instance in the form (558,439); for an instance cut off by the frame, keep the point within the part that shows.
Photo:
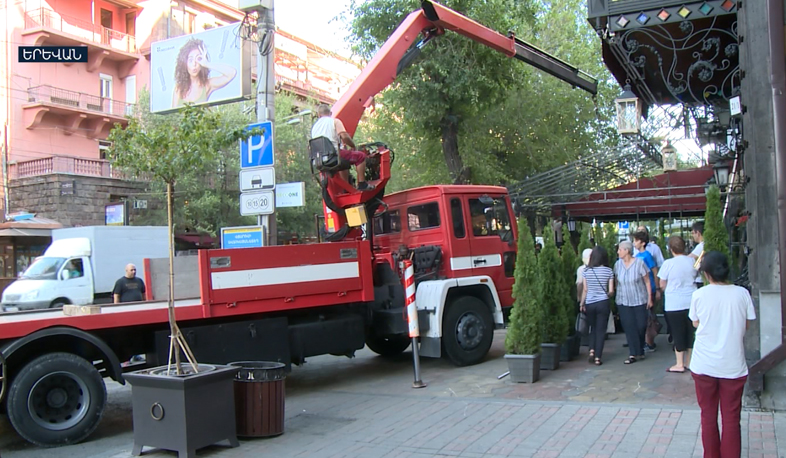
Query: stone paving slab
(365,407)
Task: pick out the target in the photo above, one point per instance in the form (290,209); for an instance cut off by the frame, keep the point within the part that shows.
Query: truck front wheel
(467,331)
(56,399)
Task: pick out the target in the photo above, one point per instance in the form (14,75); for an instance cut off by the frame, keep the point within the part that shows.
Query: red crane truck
(286,303)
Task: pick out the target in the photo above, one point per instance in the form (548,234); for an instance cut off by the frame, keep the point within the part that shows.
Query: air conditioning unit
(139,204)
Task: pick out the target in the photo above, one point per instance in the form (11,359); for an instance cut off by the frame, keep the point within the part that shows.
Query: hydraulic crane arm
(432,20)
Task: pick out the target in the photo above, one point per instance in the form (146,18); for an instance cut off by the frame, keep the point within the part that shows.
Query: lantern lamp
(628,112)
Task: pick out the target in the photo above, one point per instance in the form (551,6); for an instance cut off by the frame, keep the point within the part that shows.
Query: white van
(82,265)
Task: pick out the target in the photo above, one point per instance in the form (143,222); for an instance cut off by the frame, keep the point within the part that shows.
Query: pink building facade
(55,117)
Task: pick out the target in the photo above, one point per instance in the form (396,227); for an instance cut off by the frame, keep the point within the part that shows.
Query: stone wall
(74,200)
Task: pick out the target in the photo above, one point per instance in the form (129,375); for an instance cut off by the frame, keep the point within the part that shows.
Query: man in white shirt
(334,130)
(697,233)
(652,247)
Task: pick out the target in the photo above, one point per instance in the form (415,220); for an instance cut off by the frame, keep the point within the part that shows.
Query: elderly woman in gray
(633,298)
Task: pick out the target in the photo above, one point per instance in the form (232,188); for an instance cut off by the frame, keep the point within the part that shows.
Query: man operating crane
(333,129)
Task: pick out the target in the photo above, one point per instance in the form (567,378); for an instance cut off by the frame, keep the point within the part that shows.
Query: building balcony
(671,51)
(71,110)
(44,26)
(304,89)
(63,165)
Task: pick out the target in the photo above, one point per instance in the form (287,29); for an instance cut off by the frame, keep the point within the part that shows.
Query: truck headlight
(29,296)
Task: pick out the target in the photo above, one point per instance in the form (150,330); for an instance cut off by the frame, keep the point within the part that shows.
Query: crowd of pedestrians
(706,320)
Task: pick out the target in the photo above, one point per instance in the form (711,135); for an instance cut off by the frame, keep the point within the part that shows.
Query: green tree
(524,334)
(456,114)
(207,193)
(162,147)
(716,237)
(554,293)
(570,262)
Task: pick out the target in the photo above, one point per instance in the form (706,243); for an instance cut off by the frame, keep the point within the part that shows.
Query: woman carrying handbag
(598,285)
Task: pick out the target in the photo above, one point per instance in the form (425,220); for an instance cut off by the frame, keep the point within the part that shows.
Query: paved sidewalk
(365,407)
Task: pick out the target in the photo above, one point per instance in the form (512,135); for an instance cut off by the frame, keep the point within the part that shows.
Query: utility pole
(266,106)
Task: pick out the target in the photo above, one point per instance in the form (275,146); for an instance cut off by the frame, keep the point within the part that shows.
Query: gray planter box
(524,368)
(549,359)
(183,413)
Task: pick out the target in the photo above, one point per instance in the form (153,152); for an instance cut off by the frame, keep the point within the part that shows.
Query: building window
(105,92)
(189,23)
(103,146)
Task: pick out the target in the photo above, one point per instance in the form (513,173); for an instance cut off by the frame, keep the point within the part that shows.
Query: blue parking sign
(257,150)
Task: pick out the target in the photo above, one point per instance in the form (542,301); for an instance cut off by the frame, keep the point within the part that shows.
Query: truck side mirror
(64,274)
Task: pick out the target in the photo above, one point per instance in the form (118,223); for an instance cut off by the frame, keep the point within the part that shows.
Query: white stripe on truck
(284,275)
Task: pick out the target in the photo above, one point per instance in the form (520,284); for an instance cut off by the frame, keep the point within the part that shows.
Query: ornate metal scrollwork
(694,65)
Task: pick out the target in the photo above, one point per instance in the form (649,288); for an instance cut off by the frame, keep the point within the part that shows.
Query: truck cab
(473,227)
(462,241)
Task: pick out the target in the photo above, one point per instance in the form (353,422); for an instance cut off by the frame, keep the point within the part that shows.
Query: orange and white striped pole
(412,317)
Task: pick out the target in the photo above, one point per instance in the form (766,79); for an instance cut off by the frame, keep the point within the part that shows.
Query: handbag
(653,327)
(582,326)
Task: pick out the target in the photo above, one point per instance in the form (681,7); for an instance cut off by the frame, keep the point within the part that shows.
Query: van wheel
(58,304)
(387,345)
(56,399)
(467,331)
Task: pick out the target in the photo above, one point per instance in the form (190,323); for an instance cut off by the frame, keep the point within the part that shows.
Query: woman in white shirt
(678,282)
(720,312)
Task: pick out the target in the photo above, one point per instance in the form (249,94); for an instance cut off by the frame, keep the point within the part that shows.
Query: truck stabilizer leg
(412,318)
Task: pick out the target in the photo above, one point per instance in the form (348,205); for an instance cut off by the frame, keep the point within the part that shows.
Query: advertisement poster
(115,214)
(205,68)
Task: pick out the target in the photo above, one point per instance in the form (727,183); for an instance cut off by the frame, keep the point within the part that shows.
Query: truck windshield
(43,268)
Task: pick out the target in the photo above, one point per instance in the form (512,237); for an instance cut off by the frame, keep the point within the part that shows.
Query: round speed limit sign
(257,203)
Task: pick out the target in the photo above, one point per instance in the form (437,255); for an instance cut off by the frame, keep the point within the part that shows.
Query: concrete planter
(524,368)
(183,413)
(549,359)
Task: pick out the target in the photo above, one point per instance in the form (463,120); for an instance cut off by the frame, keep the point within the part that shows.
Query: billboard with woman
(210,67)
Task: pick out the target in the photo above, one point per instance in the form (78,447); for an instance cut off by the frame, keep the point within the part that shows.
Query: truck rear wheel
(467,331)
(56,399)
(387,345)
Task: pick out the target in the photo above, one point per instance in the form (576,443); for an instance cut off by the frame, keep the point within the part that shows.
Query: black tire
(387,346)
(58,303)
(467,331)
(56,399)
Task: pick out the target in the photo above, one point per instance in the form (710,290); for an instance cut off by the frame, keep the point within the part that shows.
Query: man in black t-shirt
(129,288)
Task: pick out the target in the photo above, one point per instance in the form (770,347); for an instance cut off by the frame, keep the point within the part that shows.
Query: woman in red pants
(720,312)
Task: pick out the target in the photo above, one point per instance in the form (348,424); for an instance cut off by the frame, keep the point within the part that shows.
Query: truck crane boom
(432,20)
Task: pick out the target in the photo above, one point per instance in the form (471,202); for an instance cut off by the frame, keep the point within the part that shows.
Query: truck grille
(12,297)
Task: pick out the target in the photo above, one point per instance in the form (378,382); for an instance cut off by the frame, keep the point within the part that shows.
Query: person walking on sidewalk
(640,241)
(677,280)
(598,286)
(633,298)
(721,313)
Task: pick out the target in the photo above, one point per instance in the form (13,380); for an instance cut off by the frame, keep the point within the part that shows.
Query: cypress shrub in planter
(554,296)
(570,262)
(522,341)
(716,237)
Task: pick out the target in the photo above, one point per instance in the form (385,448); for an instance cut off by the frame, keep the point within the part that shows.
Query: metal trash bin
(259,398)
